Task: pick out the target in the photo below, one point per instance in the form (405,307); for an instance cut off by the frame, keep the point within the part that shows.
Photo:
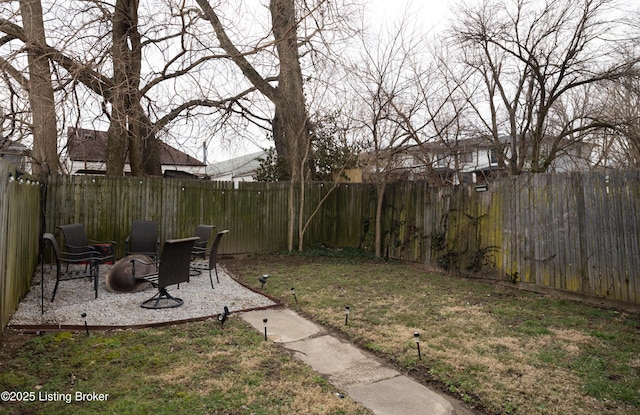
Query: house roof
(13,151)
(91,145)
(11,147)
(238,167)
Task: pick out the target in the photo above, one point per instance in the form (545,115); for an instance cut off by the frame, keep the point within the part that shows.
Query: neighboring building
(475,160)
(239,169)
(244,168)
(15,153)
(353,175)
(472,160)
(86,155)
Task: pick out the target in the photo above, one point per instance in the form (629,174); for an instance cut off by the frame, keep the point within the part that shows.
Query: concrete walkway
(360,375)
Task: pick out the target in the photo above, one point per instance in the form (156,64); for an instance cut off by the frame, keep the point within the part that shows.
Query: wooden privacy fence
(576,232)
(19,231)
(255,214)
(108,206)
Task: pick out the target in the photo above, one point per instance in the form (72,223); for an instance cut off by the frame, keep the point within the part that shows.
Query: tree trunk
(117,143)
(127,118)
(290,132)
(301,220)
(44,125)
(151,146)
(290,102)
(282,149)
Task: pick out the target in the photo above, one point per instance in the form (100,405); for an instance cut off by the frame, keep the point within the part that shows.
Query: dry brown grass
(501,350)
(192,368)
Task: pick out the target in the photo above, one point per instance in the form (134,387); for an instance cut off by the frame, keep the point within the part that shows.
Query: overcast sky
(429,15)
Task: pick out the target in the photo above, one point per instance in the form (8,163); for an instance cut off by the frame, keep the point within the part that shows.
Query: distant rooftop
(243,166)
(12,147)
(90,145)
(13,152)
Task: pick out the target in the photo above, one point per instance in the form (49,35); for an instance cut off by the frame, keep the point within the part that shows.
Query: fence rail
(576,232)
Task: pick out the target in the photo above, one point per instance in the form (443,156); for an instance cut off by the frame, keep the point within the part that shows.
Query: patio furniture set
(144,263)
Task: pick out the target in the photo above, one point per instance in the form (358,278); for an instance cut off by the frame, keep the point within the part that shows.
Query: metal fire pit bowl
(120,277)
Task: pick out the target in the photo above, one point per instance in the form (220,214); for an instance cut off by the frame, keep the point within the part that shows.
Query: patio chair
(75,240)
(143,239)
(212,256)
(200,246)
(84,264)
(172,269)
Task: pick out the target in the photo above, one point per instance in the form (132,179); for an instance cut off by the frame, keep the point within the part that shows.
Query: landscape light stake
(223,316)
(417,337)
(346,315)
(263,280)
(264,320)
(86,328)
(293,291)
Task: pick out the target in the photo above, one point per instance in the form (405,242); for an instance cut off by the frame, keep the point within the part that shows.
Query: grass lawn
(501,350)
(195,368)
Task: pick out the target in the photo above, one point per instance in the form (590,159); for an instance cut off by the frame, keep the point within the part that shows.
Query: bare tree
(385,86)
(284,89)
(408,105)
(289,123)
(101,50)
(110,68)
(120,89)
(126,59)
(531,59)
(619,147)
(40,88)
(15,116)
(290,118)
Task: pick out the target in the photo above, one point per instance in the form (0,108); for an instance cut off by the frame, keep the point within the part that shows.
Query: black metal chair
(90,258)
(200,246)
(212,256)
(172,269)
(76,241)
(143,239)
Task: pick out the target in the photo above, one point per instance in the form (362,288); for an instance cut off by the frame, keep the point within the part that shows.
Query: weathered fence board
(107,207)
(575,232)
(19,242)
